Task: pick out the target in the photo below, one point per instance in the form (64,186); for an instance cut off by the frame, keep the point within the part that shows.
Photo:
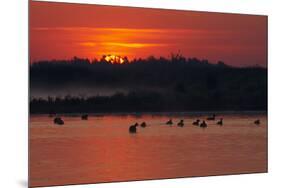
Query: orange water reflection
(102,150)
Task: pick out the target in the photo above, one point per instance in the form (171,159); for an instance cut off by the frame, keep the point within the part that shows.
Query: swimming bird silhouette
(220,122)
(196,122)
(143,124)
(84,117)
(203,125)
(257,122)
(181,124)
(170,122)
(212,117)
(133,128)
(58,121)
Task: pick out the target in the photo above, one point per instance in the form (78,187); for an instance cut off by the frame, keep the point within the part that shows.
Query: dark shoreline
(161,113)
(152,85)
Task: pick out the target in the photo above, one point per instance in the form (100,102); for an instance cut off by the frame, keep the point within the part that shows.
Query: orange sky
(64,30)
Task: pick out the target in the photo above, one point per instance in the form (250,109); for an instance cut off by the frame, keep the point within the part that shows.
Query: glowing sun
(115,59)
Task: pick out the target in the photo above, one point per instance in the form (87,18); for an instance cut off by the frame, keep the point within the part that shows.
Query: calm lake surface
(102,150)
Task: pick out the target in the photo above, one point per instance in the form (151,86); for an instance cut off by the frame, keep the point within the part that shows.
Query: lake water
(102,150)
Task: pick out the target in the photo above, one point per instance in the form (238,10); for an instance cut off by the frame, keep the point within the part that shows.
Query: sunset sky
(63,30)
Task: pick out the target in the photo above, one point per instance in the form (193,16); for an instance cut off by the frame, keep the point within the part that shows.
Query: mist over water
(77,91)
(88,91)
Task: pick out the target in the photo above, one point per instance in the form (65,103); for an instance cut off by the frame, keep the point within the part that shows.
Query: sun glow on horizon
(115,59)
(94,31)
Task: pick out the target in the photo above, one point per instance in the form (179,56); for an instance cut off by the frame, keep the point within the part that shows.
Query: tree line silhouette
(154,84)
